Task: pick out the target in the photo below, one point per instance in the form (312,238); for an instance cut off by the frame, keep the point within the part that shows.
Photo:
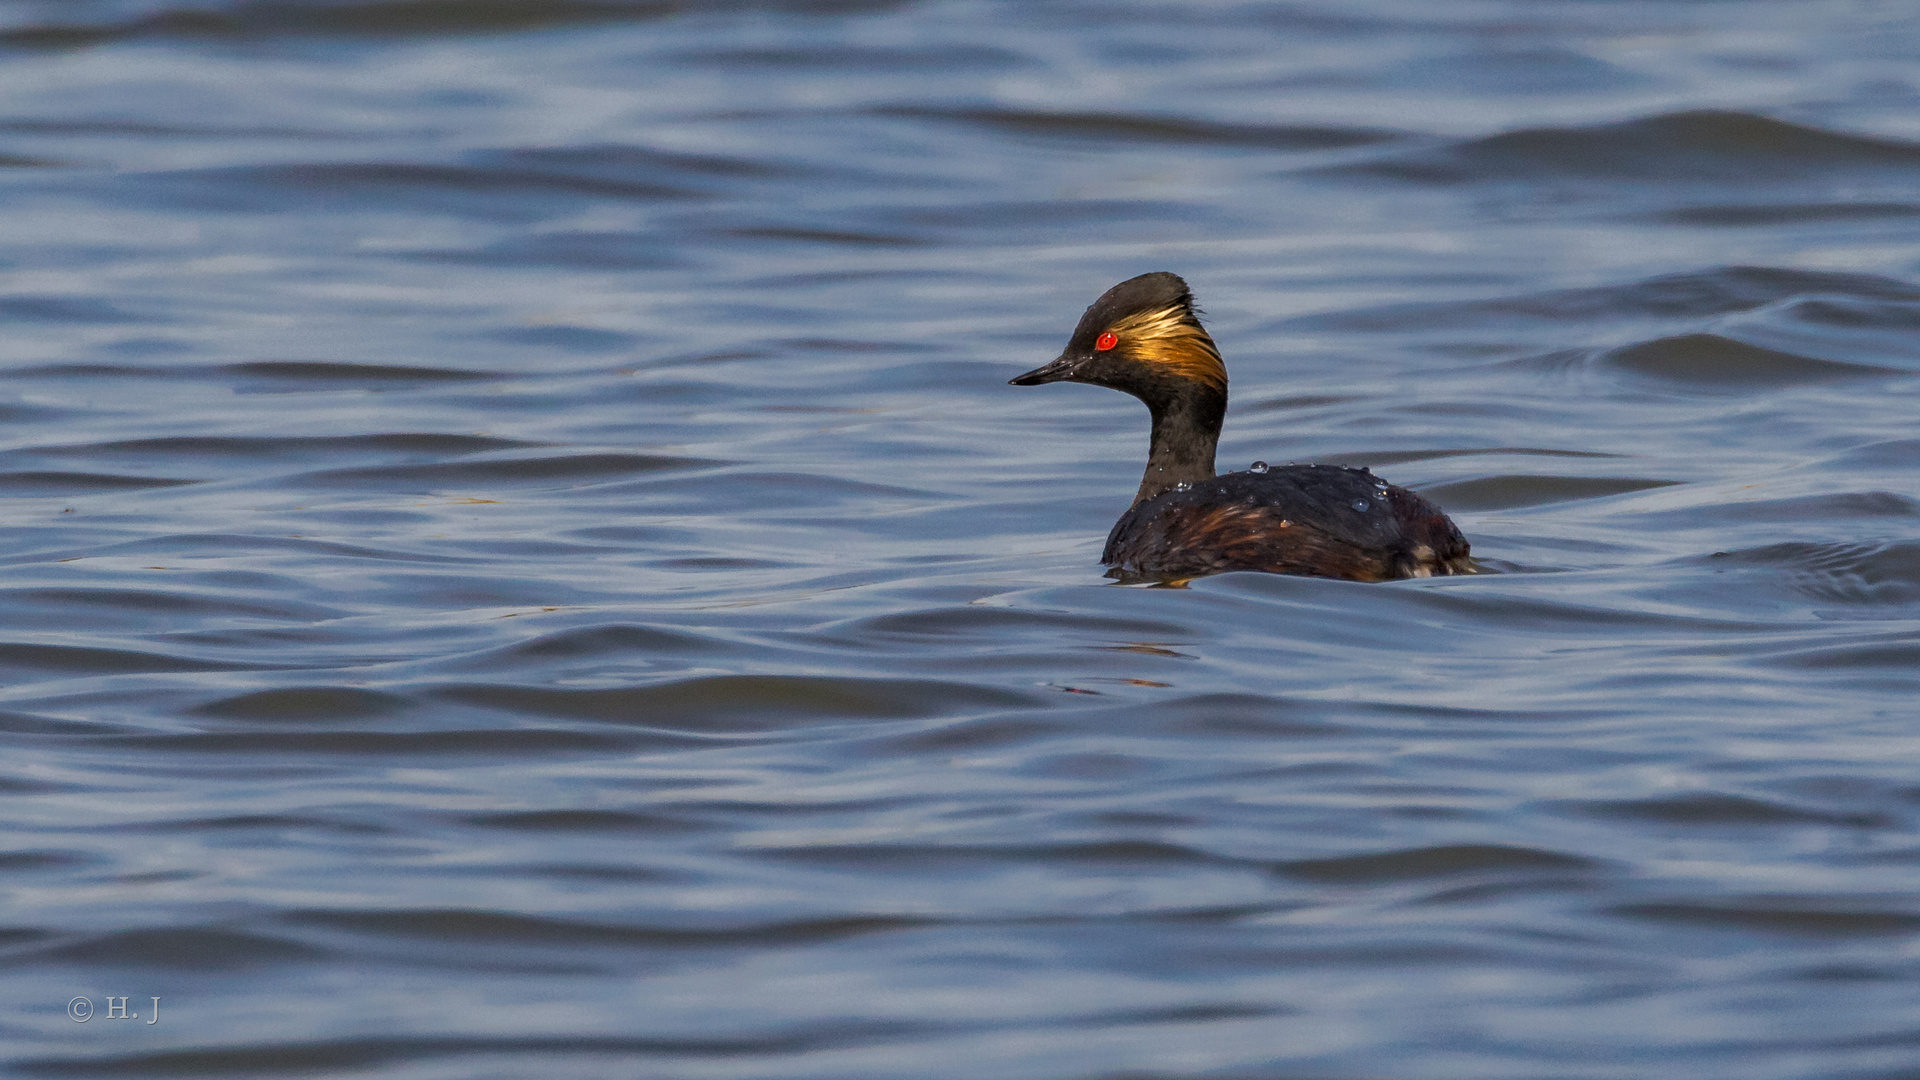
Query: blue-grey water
(520,558)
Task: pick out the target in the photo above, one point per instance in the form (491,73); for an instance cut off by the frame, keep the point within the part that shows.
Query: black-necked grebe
(1144,336)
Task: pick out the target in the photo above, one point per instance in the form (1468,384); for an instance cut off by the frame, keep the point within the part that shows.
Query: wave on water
(1737,149)
(1516,491)
(44,482)
(376,19)
(1712,363)
(505,185)
(258,447)
(1146,128)
(265,375)
(1863,573)
(549,470)
(741,704)
(1689,295)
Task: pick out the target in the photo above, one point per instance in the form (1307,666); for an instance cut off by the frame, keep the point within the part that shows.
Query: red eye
(1105,341)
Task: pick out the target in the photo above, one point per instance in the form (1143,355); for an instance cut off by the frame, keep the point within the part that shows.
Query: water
(521,559)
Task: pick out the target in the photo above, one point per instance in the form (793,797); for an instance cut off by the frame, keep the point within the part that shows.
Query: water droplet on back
(1258,466)
(1183,486)
(1361,504)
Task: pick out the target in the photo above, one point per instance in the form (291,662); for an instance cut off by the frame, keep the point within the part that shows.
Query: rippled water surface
(521,559)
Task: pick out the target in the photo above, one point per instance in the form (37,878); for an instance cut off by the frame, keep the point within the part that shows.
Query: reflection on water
(522,560)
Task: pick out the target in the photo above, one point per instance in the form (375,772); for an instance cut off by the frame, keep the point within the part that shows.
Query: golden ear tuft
(1171,337)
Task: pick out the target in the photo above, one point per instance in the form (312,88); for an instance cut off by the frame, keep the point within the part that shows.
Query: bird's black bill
(1054,372)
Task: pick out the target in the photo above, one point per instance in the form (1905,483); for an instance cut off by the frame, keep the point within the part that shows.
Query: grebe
(1144,336)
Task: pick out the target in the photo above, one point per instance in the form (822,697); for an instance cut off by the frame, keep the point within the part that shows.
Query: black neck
(1186,429)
